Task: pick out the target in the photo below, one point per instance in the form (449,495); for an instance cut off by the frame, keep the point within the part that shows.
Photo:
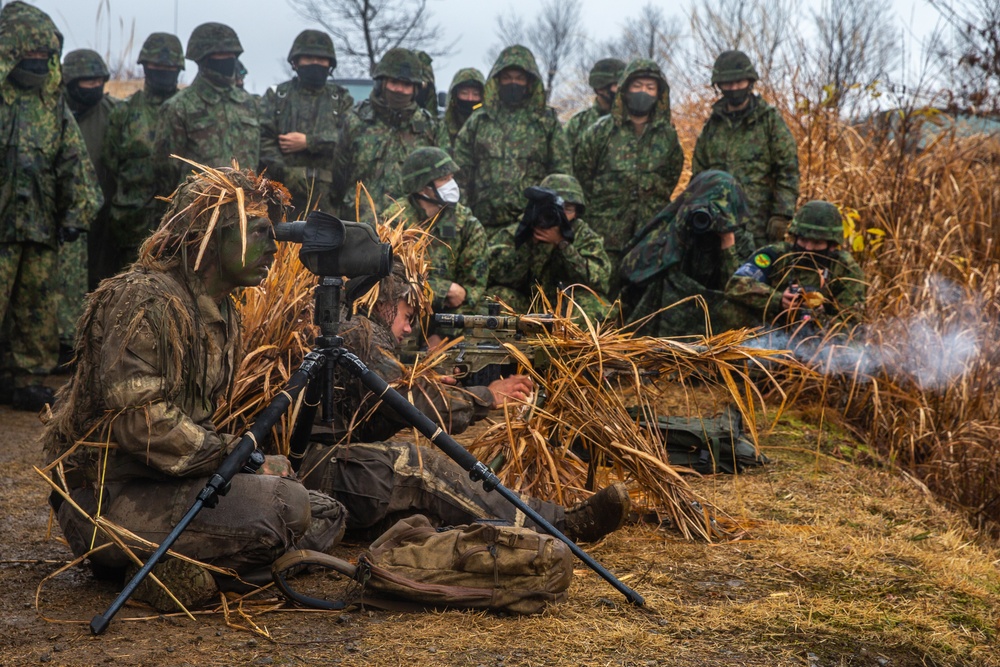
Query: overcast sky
(267,27)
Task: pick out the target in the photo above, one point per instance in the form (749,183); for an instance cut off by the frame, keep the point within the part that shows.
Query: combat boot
(602,513)
(32,398)
(191,584)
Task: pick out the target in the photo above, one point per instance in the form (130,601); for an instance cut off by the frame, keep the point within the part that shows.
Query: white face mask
(449,192)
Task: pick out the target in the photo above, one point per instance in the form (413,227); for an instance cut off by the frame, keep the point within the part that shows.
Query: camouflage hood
(467,75)
(515,56)
(661,243)
(636,68)
(25,28)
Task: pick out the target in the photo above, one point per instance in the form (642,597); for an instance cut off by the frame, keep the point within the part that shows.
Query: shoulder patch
(762,259)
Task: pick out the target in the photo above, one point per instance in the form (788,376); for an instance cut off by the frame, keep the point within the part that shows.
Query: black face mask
(162,81)
(513,94)
(84,97)
(736,98)
(30,73)
(639,104)
(466,107)
(313,76)
(224,67)
(396,101)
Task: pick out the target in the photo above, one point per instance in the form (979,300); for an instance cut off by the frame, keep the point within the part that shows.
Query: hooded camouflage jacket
(129,148)
(453,121)
(542,265)
(47,178)
(759,283)
(458,254)
(93,124)
(756,147)
(155,356)
(375,145)
(208,124)
(319,113)
(502,151)
(627,177)
(668,262)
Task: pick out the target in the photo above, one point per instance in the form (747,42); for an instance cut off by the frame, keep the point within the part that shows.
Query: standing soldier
(300,123)
(629,162)
(512,143)
(129,151)
(464,97)
(211,121)
(48,195)
(747,138)
(604,77)
(536,255)
(386,128)
(809,277)
(84,77)
(427,92)
(458,256)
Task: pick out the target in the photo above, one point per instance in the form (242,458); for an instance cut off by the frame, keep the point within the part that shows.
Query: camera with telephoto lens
(700,220)
(544,209)
(334,247)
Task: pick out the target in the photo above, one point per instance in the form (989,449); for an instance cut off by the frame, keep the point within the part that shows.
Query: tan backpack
(414,565)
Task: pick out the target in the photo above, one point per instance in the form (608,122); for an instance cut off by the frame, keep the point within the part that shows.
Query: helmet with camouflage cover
(162,48)
(209,38)
(424,165)
(84,64)
(606,72)
(568,188)
(313,43)
(818,220)
(399,63)
(733,66)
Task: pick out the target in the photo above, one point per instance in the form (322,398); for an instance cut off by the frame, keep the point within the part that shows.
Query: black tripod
(328,351)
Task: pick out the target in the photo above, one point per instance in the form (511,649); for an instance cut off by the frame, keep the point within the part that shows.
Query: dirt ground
(843,565)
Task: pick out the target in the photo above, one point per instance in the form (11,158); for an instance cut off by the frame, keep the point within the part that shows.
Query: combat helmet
(84,64)
(313,43)
(209,38)
(399,63)
(605,72)
(733,66)
(424,165)
(568,188)
(162,48)
(818,220)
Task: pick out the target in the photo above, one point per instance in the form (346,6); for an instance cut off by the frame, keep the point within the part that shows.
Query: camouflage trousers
(28,302)
(72,287)
(261,518)
(382,482)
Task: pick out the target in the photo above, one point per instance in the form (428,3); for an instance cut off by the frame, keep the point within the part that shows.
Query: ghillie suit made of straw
(180,246)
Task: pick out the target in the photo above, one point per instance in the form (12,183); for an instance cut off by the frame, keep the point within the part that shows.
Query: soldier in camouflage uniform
(603,79)
(83,265)
(301,122)
(689,249)
(385,128)
(159,347)
(48,194)
(523,259)
(211,121)
(129,151)
(629,162)
(427,92)
(458,255)
(777,281)
(747,138)
(511,143)
(464,97)
(380,482)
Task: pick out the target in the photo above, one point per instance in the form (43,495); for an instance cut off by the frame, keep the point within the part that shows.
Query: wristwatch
(563,244)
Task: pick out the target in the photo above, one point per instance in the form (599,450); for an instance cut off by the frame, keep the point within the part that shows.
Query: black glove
(69,234)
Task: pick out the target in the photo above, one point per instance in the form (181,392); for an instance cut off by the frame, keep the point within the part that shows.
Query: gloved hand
(69,234)
(777,226)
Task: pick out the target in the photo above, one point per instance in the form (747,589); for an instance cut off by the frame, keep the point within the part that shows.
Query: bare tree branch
(973,53)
